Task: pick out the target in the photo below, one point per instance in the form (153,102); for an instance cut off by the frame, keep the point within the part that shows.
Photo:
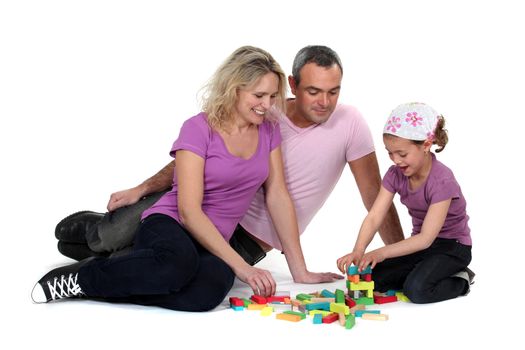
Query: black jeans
(166,268)
(426,276)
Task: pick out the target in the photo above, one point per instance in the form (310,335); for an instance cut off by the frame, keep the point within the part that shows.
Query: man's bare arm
(158,182)
(368,180)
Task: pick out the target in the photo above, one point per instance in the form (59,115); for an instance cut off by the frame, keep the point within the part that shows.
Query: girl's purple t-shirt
(439,186)
(230,182)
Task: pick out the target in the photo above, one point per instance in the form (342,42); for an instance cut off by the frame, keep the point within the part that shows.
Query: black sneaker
(74,227)
(59,283)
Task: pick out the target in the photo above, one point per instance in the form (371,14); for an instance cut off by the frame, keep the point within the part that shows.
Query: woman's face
(254,101)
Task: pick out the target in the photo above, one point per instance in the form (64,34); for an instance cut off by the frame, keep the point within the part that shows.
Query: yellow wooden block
(334,307)
(402,297)
(374,317)
(266,311)
(322,312)
(363,285)
(257,306)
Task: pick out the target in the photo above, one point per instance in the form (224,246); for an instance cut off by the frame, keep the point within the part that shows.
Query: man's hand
(318,277)
(122,198)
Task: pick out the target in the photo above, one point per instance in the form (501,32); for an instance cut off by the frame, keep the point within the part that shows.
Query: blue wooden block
(318,306)
(359,313)
(318,319)
(352,270)
(366,271)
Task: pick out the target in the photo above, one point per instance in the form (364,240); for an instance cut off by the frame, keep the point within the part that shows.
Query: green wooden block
(365,301)
(350,321)
(339,296)
(303,297)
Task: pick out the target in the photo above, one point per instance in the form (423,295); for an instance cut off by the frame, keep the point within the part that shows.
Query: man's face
(317,93)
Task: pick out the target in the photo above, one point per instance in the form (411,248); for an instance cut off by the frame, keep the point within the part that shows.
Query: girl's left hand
(371,258)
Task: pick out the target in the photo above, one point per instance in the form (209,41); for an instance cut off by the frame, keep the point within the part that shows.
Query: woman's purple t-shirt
(230,182)
(439,186)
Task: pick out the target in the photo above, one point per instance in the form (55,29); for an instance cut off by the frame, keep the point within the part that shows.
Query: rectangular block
(335,307)
(375,317)
(363,285)
(287,317)
(359,313)
(300,314)
(332,317)
(386,299)
(350,321)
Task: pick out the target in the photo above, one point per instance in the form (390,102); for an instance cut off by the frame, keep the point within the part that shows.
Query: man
(319,136)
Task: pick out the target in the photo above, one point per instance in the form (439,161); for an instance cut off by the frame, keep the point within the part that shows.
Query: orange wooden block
(288,317)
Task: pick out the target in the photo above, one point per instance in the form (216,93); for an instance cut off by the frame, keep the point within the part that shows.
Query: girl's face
(407,155)
(254,101)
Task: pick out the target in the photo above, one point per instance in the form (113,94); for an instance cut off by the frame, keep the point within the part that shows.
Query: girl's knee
(417,292)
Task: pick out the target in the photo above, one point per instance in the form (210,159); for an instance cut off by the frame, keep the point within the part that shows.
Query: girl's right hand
(345,261)
(261,281)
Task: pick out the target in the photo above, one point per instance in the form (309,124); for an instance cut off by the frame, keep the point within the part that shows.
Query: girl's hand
(349,259)
(371,258)
(261,281)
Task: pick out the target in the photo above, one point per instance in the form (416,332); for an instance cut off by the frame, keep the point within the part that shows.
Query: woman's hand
(261,281)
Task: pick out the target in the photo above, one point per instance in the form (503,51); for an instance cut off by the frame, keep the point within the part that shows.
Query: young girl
(430,265)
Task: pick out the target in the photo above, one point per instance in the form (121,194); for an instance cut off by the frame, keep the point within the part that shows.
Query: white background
(92,95)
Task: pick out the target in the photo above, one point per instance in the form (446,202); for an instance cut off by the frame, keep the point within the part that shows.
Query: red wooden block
(258,299)
(276,299)
(236,301)
(368,277)
(384,299)
(331,318)
(349,301)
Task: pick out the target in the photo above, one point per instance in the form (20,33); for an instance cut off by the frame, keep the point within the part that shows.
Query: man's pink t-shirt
(314,158)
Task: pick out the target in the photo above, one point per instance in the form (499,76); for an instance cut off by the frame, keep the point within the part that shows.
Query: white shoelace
(64,287)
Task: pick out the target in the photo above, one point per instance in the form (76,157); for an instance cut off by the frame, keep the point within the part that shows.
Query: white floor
(483,317)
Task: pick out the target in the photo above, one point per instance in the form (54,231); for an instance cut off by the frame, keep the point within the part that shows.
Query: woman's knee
(219,281)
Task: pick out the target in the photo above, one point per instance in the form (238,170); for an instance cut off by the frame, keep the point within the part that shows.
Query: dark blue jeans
(166,268)
(426,276)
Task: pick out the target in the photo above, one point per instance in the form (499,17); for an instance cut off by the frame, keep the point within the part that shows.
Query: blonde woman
(181,258)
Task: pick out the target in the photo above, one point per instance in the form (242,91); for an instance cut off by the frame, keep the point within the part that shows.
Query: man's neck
(294,116)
